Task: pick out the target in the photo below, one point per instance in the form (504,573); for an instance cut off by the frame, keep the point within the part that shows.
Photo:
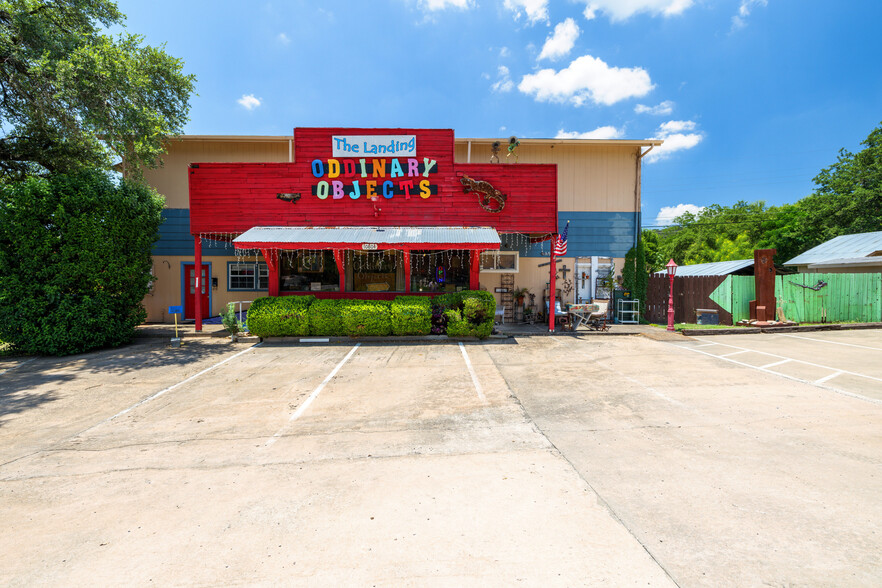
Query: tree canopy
(847,199)
(74,97)
(75,259)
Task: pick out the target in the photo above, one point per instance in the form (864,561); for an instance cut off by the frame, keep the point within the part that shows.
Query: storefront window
(439,271)
(308,271)
(374,271)
(500,261)
(247,276)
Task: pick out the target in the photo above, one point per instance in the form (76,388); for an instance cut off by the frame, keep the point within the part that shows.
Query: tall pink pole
(671,303)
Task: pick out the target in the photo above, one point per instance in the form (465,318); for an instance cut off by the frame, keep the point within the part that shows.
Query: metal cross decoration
(564,270)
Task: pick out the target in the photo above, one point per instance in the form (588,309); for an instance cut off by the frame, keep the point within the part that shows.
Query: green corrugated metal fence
(844,297)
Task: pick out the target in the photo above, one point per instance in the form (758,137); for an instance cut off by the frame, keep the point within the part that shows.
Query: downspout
(469,154)
(637,192)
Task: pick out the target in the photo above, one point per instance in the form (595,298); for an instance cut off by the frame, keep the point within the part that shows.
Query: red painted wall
(233,197)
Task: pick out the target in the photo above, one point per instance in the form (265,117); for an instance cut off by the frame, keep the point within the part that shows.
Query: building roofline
(463,140)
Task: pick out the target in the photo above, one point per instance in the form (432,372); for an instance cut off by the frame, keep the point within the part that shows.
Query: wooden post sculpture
(763,308)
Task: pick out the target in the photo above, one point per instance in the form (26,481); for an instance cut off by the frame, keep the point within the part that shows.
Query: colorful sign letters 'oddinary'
(406,177)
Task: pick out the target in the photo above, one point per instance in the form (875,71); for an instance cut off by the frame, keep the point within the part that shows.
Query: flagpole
(553,270)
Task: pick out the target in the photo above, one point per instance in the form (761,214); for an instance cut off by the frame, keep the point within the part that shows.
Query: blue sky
(753,97)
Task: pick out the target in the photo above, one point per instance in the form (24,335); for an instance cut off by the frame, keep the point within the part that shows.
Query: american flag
(560,244)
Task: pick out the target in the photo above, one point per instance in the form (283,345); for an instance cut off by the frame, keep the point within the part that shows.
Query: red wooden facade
(230,198)
(319,189)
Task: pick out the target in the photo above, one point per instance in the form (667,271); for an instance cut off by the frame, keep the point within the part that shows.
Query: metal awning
(368,238)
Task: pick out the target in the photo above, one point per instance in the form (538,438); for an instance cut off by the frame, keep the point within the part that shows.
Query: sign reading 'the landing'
(395,145)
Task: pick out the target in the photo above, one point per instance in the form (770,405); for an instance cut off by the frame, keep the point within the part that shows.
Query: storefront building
(376,213)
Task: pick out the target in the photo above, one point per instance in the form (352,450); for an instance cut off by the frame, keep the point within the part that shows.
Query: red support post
(551,285)
(271,256)
(338,259)
(406,272)
(475,270)
(197,290)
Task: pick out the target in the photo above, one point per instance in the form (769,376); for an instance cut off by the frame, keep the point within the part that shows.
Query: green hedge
(367,317)
(280,316)
(411,315)
(469,314)
(325,319)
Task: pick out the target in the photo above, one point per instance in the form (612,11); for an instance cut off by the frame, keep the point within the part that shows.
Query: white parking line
(830,377)
(473,374)
(172,387)
(830,342)
(774,363)
(768,371)
(736,352)
(18,365)
(302,408)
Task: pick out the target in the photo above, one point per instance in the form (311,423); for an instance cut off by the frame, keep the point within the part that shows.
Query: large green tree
(75,254)
(74,97)
(847,200)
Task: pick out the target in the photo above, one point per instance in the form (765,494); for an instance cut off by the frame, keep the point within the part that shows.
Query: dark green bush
(474,318)
(448,300)
(280,316)
(411,315)
(325,319)
(367,317)
(75,260)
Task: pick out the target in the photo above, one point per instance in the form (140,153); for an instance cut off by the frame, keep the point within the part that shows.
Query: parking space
(845,361)
(558,461)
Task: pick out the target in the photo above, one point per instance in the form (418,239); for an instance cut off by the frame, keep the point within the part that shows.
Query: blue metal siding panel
(175,237)
(605,234)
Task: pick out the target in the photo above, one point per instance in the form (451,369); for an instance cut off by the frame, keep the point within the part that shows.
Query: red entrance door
(190,292)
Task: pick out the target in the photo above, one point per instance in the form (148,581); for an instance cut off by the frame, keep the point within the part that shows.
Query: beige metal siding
(599,178)
(171,179)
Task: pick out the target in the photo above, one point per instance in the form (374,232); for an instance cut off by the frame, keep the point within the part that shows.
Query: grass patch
(681,326)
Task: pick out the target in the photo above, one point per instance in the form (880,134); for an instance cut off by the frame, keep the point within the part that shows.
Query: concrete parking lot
(552,461)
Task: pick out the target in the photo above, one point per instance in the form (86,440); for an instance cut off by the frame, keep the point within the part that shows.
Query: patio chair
(500,314)
(560,316)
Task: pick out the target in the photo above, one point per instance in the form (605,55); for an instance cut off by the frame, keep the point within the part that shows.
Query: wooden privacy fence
(804,298)
(690,294)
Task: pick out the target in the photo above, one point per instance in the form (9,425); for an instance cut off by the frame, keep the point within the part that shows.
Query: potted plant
(231,321)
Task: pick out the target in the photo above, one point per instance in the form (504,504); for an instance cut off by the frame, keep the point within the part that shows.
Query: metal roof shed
(840,250)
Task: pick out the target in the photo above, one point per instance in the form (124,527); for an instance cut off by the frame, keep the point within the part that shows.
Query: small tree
(75,261)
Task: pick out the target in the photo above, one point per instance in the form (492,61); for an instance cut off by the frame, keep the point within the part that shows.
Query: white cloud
(587,78)
(667,214)
(678,135)
(561,41)
(739,21)
(283,39)
(607,132)
(435,5)
(536,10)
(618,10)
(249,102)
(662,109)
(504,52)
(503,82)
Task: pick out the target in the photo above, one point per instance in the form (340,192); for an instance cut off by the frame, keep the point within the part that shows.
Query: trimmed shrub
(474,318)
(367,317)
(74,261)
(448,300)
(280,316)
(411,315)
(325,319)
(485,298)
